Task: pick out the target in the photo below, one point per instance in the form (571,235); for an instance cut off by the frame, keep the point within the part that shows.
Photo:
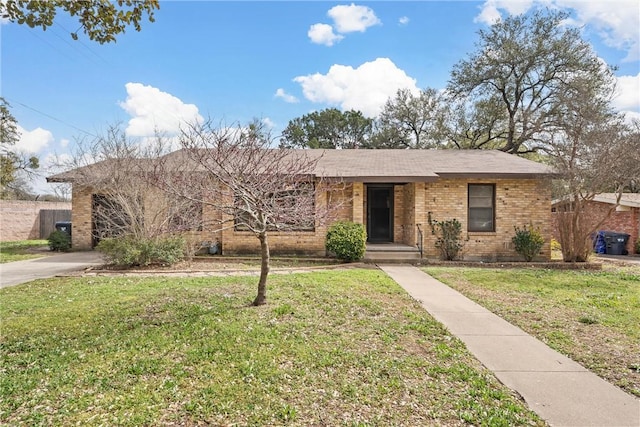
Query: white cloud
(616,22)
(151,110)
(403,20)
(268,123)
(348,19)
(33,141)
(323,34)
(365,88)
(64,142)
(490,14)
(280,93)
(627,93)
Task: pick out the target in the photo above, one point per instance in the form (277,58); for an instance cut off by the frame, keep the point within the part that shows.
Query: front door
(380,213)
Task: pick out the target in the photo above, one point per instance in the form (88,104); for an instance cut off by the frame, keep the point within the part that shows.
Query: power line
(74,45)
(13,101)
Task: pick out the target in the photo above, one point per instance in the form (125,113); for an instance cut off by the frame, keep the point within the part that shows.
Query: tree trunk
(261,298)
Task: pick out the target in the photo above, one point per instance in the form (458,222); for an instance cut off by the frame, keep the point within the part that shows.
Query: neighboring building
(624,219)
(394,193)
(30,219)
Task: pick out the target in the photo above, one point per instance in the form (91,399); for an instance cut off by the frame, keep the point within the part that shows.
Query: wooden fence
(48,219)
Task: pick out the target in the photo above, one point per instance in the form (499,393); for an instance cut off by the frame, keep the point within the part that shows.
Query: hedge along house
(393,193)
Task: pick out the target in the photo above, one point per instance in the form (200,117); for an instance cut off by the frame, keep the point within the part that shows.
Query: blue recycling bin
(599,244)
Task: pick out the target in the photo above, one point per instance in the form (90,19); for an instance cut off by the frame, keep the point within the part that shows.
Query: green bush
(129,251)
(347,240)
(59,241)
(448,237)
(638,246)
(527,242)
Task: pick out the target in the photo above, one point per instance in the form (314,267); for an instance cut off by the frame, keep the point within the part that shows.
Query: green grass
(18,251)
(347,348)
(592,316)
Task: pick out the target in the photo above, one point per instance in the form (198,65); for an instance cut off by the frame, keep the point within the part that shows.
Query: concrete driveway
(14,273)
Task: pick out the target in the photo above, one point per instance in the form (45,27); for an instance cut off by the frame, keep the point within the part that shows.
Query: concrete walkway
(15,273)
(558,389)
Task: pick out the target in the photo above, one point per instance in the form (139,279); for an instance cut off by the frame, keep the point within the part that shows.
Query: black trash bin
(64,226)
(616,243)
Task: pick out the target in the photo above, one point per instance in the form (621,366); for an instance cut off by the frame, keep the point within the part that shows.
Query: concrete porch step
(391,251)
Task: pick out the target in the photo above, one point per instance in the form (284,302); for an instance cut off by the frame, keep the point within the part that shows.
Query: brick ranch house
(394,193)
(624,219)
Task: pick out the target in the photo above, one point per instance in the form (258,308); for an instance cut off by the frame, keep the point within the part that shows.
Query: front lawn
(336,348)
(21,250)
(593,317)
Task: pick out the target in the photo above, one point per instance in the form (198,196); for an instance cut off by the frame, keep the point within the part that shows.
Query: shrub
(121,251)
(448,237)
(167,251)
(638,246)
(555,245)
(347,240)
(527,242)
(129,251)
(59,241)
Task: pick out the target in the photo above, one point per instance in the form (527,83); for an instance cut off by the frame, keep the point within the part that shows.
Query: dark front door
(380,213)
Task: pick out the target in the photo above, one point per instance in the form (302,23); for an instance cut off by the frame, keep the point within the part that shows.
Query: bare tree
(596,152)
(114,169)
(254,187)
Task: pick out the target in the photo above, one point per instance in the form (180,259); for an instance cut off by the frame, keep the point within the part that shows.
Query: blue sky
(234,61)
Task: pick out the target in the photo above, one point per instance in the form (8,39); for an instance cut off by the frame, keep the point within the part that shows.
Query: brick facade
(518,202)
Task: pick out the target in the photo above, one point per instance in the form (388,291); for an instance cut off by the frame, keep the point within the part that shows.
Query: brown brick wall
(518,203)
(20,219)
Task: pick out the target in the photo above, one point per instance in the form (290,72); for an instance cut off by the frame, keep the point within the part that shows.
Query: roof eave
(379,179)
(493,175)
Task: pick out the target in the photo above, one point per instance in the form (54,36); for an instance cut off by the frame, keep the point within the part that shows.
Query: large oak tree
(512,85)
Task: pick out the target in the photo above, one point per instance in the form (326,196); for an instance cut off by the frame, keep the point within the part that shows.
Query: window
(481,207)
(285,210)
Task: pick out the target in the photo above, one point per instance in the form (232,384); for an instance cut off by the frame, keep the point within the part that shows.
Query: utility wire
(75,43)
(13,101)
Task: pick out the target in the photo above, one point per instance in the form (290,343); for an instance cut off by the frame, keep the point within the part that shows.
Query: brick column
(81,202)
(358,200)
